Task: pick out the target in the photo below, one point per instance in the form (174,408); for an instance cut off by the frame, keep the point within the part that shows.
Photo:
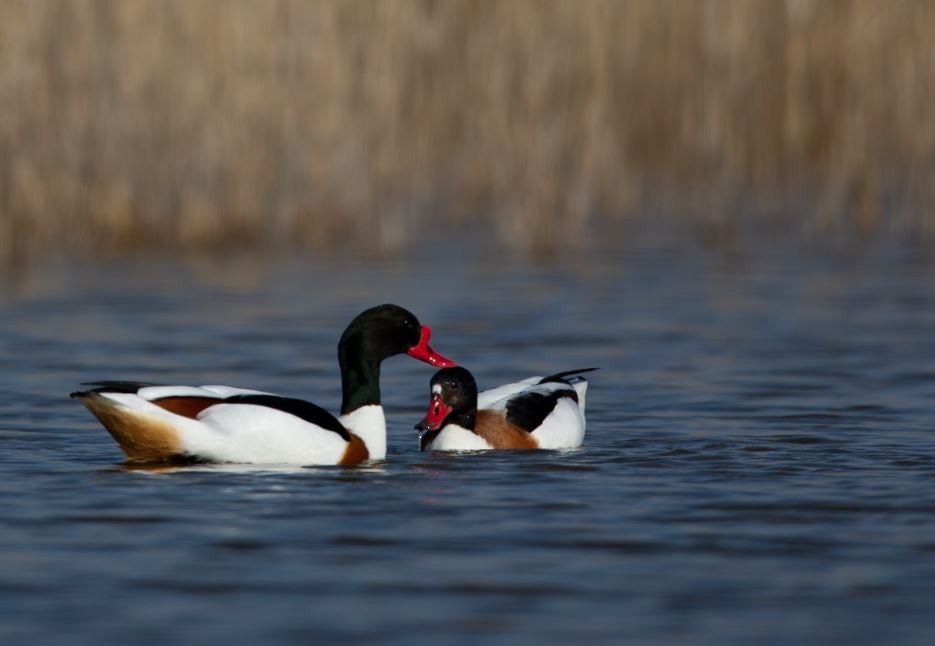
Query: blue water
(759,464)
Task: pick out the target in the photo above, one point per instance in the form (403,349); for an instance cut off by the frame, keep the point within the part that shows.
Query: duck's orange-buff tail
(143,438)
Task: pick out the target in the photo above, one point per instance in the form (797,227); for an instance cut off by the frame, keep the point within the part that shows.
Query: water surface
(759,464)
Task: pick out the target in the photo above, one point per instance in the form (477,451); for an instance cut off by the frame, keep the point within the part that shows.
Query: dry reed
(187,123)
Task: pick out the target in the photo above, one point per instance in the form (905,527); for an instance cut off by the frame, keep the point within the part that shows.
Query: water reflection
(374,468)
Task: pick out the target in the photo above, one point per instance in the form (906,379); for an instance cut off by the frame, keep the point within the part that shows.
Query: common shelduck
(536,413)
(154,423)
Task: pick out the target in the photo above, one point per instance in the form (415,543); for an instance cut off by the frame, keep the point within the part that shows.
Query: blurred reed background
(183,124)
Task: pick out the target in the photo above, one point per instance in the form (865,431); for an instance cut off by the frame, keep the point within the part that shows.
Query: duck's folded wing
(488,398)
(529,409)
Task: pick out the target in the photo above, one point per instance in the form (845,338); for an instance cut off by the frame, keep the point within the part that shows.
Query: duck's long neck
(361,410)
(360,379)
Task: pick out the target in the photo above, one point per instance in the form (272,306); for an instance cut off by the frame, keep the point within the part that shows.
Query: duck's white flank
(563,428)
(456,438)
(261,435)
(369,424)
(581,387)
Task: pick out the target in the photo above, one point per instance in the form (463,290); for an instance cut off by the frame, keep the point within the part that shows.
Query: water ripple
(759,466)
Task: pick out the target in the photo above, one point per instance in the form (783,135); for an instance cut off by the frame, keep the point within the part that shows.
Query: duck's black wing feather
(529,410)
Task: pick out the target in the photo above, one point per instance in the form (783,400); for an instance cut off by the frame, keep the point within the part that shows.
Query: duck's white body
(561,427)
(457,438)
(232,432)
(226,424)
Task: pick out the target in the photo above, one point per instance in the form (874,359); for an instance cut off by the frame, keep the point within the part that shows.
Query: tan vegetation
(129,123)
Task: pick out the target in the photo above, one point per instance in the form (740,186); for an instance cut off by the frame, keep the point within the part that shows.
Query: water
(759,465)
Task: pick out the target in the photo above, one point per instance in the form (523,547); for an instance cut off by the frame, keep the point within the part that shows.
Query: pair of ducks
(155,423)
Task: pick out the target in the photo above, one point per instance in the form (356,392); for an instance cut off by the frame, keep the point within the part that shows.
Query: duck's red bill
(434,419)
(424,352)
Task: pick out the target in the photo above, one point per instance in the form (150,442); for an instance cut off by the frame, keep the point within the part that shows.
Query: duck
(535,413)
(222,424)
